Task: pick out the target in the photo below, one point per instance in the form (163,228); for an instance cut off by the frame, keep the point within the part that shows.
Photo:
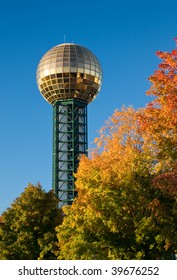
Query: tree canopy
(27,230)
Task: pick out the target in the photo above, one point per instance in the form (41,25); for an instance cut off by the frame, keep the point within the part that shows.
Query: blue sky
(124,35)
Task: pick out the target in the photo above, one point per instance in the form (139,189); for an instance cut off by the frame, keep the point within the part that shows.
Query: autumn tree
(159,126)
(160,119)
(27,229)
(127,196)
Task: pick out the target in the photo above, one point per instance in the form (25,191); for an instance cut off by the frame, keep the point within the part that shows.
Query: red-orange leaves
(167,183)
(164,80)
(174,52)
(159,121)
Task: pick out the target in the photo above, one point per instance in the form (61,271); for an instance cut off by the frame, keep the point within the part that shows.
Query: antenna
(64,38)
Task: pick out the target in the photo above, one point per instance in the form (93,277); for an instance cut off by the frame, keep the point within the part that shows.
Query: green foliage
(27,230)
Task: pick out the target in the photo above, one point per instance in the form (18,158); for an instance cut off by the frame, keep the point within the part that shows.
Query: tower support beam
(69,143)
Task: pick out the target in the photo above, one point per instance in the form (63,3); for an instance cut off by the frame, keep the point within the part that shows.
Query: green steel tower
(69,76)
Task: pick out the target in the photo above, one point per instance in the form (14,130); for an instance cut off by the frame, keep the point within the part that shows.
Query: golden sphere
(69,71)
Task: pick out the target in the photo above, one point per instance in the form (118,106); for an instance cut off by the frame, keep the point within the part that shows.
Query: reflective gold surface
(69,71)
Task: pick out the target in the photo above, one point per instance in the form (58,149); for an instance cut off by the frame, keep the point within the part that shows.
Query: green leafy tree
(27,229)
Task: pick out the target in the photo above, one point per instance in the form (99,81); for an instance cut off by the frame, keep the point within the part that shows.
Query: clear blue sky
(124,35)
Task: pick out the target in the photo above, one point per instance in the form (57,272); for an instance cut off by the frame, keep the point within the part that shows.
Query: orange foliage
(159,121)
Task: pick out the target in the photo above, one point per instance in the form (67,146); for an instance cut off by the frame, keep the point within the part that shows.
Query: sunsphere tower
(69,76)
